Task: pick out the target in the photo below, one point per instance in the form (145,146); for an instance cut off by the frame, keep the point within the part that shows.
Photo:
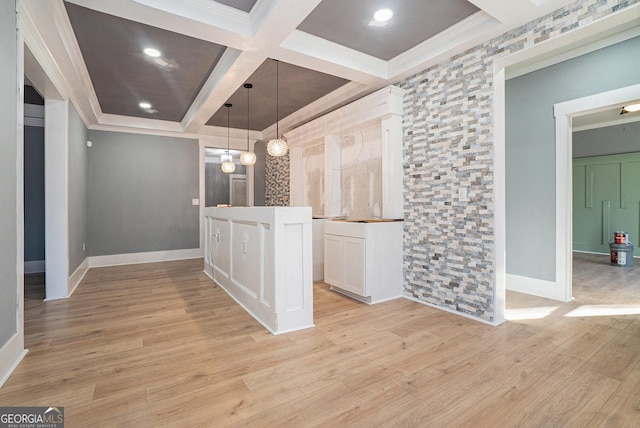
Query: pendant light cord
(228,106)
(277,101)
(248,87)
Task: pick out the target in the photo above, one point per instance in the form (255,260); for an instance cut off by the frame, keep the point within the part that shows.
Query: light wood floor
(159,345)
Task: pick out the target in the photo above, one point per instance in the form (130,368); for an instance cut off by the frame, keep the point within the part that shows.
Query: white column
(56,155)
(392,186)
(332,176)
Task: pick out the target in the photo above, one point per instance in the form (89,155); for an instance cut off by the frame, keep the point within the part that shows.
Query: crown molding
(31,32)
(383,103)
(469,32)
(84,92)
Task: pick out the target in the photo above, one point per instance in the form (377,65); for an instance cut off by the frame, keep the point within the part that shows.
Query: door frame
(564,113)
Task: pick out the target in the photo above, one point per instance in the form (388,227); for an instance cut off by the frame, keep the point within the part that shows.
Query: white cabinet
(364,260)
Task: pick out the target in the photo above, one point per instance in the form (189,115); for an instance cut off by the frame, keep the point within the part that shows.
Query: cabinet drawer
(345,228)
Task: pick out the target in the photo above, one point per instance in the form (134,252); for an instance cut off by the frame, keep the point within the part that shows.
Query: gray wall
(139,193)
(530,147)
(8,170)
(78,135)
(259,173)
(610,140)
(33,193)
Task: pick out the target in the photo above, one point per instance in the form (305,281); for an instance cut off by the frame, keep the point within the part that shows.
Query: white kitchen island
(262,257)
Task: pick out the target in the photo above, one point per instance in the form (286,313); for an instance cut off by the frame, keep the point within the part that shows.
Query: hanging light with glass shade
(277,146)
(228,166)
(248,158)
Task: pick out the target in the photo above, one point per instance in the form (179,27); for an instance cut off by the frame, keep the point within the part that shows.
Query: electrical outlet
(89,144)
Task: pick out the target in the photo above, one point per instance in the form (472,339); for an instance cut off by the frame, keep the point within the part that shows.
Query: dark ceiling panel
(414,21)
(123,76)
(243,5)
(298,87)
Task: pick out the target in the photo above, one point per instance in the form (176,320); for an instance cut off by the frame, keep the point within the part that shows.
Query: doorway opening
(222,188)
(34,194)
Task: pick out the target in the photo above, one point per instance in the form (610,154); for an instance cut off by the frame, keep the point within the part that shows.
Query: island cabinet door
(353,265)
(333,260)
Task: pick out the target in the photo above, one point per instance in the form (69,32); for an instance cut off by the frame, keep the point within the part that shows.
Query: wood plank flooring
(160,345)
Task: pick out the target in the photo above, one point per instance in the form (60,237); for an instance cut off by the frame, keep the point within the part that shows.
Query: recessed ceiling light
(153,53)
(145,105)
(631,108)
(383,15)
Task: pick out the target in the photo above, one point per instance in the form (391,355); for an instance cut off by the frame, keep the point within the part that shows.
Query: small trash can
(621,254)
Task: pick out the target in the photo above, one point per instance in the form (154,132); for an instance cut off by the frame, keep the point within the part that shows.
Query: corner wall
(449,258)
(140,189)
(10,152)
(78,134)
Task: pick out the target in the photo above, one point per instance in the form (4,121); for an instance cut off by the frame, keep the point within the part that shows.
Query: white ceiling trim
(471,31)
(83,85)
(155,16)
(205,104)
(310,45)
(343,94)
(386,101)
(107,119)
(207,12)
(31,29)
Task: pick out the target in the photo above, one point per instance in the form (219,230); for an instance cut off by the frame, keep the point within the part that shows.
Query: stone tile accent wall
(277,181)
(448,144)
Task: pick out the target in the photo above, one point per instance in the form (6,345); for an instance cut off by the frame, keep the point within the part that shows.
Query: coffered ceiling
(329,52)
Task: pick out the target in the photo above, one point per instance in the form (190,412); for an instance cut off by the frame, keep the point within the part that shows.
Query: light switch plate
(195,201)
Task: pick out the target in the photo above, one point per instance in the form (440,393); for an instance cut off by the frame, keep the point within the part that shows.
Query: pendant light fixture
(277,146)
(248,157)
(228,166)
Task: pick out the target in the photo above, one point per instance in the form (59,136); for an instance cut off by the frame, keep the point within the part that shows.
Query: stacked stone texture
(277,181)
(448,144)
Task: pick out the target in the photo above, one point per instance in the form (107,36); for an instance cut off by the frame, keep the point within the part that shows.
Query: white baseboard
(10,356)
(149,257)
(602,254)
(451,311)
(35,266)
(76,277)
(536,287)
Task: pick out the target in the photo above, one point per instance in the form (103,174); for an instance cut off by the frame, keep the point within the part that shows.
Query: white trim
(334,53)
(382,103)
(573,53)
(499,193)
(76,277)
(537,287)
(34,266)
(56,158)
(451,311)
(148,257)
(469,32)
(11,354)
